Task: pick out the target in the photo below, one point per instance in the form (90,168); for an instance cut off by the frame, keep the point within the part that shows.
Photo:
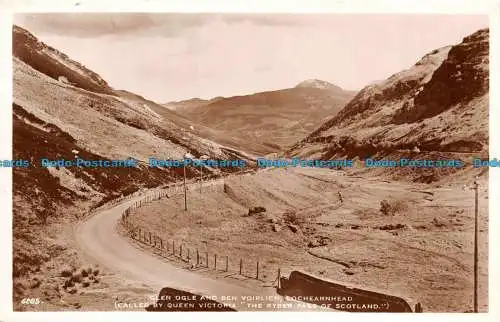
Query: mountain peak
(317,83)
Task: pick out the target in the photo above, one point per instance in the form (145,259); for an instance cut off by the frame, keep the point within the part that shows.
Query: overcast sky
(167,57)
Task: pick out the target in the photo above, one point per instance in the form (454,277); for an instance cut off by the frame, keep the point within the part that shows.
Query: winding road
(99,239)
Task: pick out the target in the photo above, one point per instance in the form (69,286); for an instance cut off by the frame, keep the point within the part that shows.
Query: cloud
(268,19)
(88,25)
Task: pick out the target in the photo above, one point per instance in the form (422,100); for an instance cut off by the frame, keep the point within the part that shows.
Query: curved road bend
(99,239)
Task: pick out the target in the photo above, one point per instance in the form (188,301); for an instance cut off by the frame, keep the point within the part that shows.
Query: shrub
(291,217)
(391,208)
(67,272)
(85,283)
(256,210)
(77,278)
(68,283)
(43,215)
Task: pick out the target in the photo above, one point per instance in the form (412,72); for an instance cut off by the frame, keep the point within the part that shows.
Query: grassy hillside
(439,105)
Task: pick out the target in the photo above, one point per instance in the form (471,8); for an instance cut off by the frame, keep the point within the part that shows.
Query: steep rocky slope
(62,110)
(269,121)
(439,105)
(54,63)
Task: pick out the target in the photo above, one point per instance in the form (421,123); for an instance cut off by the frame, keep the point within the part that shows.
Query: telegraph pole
(476,187)
(185,192)
(202,158)
(201,177)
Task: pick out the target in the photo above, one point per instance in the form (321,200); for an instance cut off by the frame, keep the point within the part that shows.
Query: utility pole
(201,177)
(190,157)
(185,192)
(476,187)
(202,158)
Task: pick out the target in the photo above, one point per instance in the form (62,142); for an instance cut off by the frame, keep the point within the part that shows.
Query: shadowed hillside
(62,110)
(439,105)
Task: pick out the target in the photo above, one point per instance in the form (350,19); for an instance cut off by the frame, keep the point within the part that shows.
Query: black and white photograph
(282,162)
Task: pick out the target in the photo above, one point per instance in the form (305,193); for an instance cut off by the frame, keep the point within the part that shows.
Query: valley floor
(330,224)
(325,222)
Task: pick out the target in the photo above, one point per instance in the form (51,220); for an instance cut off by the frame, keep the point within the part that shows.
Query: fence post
(257,276)
(215,261)
(227,263)
(206,258)
(180,252)
(197,257)
(241,265)
(189,255)
(173,247)
(161,243)
(150,238)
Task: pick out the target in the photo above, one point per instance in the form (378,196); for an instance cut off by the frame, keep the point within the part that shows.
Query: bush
(391,208)
(67,272)
(68,283)
(256,210)
(77,278)
(291,217)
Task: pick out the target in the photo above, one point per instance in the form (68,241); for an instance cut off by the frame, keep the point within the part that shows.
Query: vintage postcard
(279,162)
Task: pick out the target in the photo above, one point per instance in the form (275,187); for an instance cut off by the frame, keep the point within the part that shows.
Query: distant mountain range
(268,121)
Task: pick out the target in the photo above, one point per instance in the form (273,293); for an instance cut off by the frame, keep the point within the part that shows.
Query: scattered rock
(276,227)
(438,223)
(72,290)
(313,243)
(199,222)
(77,277)
(85,283)
(318,241)
(293,228)
(96,271)
(348,272)
(35,282)
(273,220)
(392,227)
(355,227)
(84,272)
(339,225)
